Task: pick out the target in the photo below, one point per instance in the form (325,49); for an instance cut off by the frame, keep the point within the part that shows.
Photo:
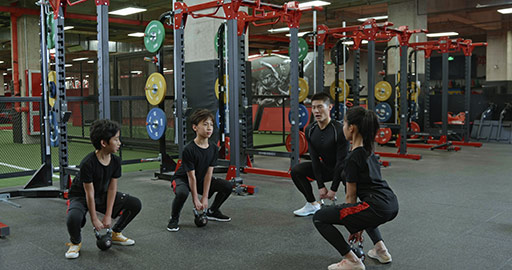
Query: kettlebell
(103,242)
(357,249)
(323,204)
(200,218)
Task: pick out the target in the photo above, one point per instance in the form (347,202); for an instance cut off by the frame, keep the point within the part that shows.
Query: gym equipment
(54,129)
(345,88)
(154,36)
(226,92)
(357,249)
(486,115)
(415,127)
(334,50)
(383,111)
(51,31)
(52,82)
(303,116)
(341,110)
(4,230)
(156,123)
(200,219)
(53,90)
(303,49)
(104,241)
(303,143)
(216,44)
(503,114)
(383,135)
(303,89)
(156,88)
(383,91)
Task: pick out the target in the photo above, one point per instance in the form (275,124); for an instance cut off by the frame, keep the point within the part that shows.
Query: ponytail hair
(367,124)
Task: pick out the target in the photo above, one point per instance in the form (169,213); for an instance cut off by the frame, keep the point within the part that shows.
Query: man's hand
(323,193)
(204,202)
(107,221)
(97,224)
(357,237)
(197,204)
(330,195)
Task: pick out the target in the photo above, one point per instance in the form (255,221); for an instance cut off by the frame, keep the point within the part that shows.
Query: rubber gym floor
(455,213)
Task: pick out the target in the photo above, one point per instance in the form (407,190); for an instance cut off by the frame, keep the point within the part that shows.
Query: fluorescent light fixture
(279,30)
(90,61)
(127,11)
(300,34)
(68,27)
(136,34)
(81,59)
(1,62)
(69,78)
(443,34)
(313,4)
(505,11)
(9,69)
(136,72)
(375,17)
(68,65)
(350,42)
(5,73)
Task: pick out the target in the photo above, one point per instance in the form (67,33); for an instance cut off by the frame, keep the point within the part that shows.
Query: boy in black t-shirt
(362,179)
(195,173)
(95,189)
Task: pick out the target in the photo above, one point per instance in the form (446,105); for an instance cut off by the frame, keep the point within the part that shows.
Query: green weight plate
(303,49)
(216,43)
(154,36)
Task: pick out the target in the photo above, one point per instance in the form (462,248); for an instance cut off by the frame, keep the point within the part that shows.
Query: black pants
(130,207)
(299,174)
(355,217)
(182,189)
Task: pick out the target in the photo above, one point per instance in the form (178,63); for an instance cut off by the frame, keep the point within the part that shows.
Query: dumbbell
(103,242)
(200,218)
(357,249)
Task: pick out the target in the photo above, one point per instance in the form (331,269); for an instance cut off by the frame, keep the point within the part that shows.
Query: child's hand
(204,202)
(322,192)
(198,205)
(357,237)
(331,195)
(97,224)
(107,221)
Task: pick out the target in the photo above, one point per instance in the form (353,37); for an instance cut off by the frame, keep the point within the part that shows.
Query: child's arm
(111,196)
(91,205)
(206,187)
(193,189)
(351,193)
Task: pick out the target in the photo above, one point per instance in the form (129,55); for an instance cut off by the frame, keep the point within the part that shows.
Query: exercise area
(255,134)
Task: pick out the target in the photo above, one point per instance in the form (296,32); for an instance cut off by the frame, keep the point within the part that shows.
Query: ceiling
(472,19)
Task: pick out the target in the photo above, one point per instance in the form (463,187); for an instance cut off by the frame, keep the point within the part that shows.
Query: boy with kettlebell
(95,189)
(195,174)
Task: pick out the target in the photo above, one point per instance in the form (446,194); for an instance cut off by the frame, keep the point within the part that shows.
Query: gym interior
(444,142)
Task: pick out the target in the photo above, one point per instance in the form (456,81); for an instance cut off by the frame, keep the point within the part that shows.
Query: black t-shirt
(364,170)
(92,171)
(328,149)
(197,159)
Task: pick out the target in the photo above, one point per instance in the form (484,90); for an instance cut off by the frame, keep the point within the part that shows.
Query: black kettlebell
(103,242)
(357,249)
(200,218)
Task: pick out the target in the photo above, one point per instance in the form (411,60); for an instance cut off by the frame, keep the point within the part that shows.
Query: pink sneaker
(347,265)
(381,256)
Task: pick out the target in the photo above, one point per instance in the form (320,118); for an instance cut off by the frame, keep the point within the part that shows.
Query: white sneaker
(382,257)
(308,209)
(120,239)
(73,251)
(347,265)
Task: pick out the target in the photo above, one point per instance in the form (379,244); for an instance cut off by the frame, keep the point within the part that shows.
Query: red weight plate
(383,135)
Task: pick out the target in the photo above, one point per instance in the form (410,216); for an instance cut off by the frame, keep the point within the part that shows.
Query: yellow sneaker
(120,239)
(73,251)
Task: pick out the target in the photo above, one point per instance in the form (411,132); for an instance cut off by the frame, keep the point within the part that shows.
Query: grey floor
(455,213)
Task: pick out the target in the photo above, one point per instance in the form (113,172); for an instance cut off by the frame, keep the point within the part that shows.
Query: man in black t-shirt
(327,148)
(195,174)
(95,189)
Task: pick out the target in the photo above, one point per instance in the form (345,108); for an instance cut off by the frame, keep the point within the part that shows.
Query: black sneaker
(173,225)
(217,216)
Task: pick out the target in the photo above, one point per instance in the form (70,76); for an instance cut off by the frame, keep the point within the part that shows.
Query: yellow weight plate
(155,88)
(416,92)
(303,89)
(225,87)
(52,77)
(51,101)
(344,89)
(383,91)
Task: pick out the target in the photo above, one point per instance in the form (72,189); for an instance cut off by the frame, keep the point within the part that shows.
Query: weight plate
(52,77)
(51,101)
(383,91)
(156,88)
(303,144)
(154,36)
(226,99)
(52,89)
(340,56)
(303,49)
(303,89)
(344,88)
(216,44)
(54,129)
(156,122)
(303,116)
(383,111)
(383,135)
(341,109)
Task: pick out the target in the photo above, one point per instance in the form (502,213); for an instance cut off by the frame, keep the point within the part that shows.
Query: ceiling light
(1,62)
(375,17)
(90,61)
(300,34)
(313,4)
(443,34)
(9,69)
(136,72)
(136,34)
(68,65)
(81,59)
(505,11)
(279,30)
(68,27)
(350,42)
(5,73)
(127,11)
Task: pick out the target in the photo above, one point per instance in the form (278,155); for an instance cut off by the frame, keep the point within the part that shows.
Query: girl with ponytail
(362,179)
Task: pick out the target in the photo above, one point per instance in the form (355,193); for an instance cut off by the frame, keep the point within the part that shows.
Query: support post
(234,88)
(403,100)
(103,62)
(467,100)
(46,155)
(294,95)
(371,75)
(179,90)
(444,102)
(355,81)
(426,97)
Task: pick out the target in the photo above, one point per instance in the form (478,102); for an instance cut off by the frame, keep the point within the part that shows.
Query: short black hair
(103,129)
(323,97)
(201,115)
